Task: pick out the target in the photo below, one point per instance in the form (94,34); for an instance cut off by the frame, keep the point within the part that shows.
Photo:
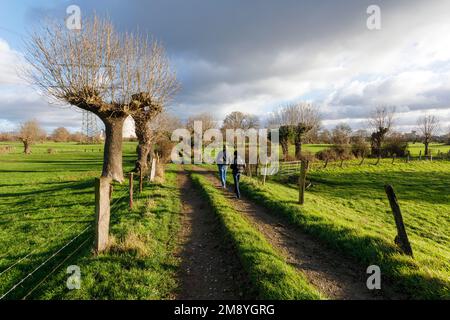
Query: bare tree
(325,136)
(381,121)
(428,126)
(341,134)
(207,119)
(303,118)
(161,128)
(96,69)
(162,87)
(29,133)
(61,134)
(239,120)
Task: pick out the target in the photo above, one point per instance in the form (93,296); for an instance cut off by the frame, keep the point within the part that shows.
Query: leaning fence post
(131,190)
(102,213)
(302,180)
(402,238)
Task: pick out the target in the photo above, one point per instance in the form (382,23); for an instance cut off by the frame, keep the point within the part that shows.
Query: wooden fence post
(402,238)
(420,155)
(265,173)
(102,213)
(302,180)
(131,190)
(393,158)
(153,169)
(407,157)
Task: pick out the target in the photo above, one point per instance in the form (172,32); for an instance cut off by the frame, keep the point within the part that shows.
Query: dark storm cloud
(251,55)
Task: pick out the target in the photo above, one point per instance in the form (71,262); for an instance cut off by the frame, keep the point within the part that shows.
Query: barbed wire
(44,263)
(56,268)
(33,251)
(123,195)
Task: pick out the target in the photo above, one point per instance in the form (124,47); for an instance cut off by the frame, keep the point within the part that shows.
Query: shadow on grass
(366,250)
(427,187)
(67,186)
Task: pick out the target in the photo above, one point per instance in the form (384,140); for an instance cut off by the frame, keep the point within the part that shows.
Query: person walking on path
(237,167)
(222,165)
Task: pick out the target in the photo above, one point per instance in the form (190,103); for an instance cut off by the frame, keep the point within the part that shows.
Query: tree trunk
(142,160)
(285,148)
(426,143)
(298,148)
(26,147)
(112,159)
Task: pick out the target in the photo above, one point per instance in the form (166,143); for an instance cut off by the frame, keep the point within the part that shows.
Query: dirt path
(210,268)
(335,276)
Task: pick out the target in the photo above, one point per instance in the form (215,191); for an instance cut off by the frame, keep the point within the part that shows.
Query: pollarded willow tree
(428,126)
(161,87)
(96,69)
(297,120)
(381,121)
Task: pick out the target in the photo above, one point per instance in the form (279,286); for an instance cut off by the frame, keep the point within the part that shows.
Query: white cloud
(10,62)
(259,59)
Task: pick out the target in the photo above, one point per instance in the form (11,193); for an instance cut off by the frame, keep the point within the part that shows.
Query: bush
(327,155)
(308,156)
(360,147)
(343,151)
(335,153)
(394,145)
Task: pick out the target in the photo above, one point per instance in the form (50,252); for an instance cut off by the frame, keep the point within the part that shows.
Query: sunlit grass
(349,210)
(48,199)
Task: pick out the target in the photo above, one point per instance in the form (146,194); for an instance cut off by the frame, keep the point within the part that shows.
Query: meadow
(347,208)
(47,215)
(47,201)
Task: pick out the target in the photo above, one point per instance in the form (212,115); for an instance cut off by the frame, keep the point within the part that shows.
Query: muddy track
(210,269)
(334,275)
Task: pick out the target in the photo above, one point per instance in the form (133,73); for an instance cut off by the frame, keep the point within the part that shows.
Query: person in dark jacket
(237,167)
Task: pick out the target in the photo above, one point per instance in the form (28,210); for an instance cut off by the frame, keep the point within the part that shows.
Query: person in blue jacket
(222,165)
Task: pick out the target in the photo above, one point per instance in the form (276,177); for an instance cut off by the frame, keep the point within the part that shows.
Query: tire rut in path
(332,274)
(210,270)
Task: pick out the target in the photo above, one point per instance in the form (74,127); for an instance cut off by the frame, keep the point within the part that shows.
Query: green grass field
(47,199)
(348,209)
(47,212)
(414,148)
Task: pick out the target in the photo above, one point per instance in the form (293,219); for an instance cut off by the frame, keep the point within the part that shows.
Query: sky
(257,55)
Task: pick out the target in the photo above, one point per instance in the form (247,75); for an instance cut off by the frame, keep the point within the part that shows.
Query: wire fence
(115,207)
(290,168)
(44,263)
